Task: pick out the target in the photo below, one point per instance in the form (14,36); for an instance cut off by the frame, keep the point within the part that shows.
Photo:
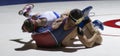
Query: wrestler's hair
(28,25)
(75,14)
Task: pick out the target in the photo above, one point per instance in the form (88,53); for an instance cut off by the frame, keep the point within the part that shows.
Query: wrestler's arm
(88,42)
(94,31)
(59,21)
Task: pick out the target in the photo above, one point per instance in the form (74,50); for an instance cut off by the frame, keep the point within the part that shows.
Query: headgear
(76,15)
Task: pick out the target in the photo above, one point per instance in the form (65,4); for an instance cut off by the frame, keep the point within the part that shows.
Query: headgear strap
(75,20)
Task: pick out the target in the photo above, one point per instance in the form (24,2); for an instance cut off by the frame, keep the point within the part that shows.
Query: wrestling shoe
(27,9)
(98,24)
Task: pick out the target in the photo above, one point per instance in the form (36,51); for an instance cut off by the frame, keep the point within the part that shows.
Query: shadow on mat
(29,45)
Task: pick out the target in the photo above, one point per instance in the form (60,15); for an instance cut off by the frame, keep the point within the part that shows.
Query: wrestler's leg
(69,39)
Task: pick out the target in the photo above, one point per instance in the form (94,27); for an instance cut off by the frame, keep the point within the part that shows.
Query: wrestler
(85,31)
(66,30)
(38,22)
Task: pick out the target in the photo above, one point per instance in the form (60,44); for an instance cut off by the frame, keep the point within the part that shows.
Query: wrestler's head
(76,14)
(28,26)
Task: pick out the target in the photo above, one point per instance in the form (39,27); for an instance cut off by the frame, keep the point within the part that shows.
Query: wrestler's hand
(64,16)
(57,23)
